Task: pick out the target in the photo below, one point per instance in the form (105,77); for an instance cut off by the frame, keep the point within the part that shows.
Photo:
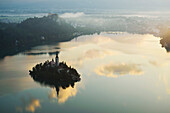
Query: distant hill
(16,37)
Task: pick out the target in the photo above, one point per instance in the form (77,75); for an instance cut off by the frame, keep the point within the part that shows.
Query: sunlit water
(120,73)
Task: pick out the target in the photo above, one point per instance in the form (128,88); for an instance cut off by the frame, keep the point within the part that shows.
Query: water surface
(120,72)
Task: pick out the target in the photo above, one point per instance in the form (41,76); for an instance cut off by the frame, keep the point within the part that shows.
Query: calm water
(121,73)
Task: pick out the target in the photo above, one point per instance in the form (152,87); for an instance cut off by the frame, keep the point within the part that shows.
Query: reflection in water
(115,70)
(166,82)
(14,85)
(154,63)
(108,55)
(39,53)
(29,105)
(132,54)
(34,103)
(63,95)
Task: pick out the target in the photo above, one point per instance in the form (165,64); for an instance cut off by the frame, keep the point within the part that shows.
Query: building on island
(57,59)
(52,63)
(56,63)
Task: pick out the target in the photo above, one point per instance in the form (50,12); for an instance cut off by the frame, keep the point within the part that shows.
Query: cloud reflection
(34,104)
(116,70)
(64,94)
(154,63)
(93,53)
(29,105)
(88,54)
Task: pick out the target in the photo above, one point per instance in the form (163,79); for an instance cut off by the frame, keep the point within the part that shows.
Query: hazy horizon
(151,5)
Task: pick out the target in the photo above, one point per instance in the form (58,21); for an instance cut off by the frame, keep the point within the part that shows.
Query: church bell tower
(57,59)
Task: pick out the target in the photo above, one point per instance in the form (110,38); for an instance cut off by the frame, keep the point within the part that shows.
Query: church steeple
(57,59)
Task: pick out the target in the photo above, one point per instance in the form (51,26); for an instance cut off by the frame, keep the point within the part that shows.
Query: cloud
(31,105)
(154,63)
(64,94)
(72,15)
(35,103)
(116,70)
(93,53)
(81,54)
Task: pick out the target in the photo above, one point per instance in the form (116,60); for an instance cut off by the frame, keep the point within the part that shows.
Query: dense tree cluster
(55,76)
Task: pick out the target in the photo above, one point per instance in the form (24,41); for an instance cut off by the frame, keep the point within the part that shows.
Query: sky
(94,4)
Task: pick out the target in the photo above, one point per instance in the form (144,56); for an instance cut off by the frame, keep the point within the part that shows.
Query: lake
(120,73)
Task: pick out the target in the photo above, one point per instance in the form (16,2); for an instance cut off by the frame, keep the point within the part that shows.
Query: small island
(55,74)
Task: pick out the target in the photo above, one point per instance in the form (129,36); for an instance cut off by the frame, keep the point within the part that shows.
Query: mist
(92,4)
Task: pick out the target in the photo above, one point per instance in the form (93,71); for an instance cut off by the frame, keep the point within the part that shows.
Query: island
(55,74)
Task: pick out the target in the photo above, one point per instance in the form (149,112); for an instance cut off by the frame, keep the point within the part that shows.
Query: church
(56,63)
